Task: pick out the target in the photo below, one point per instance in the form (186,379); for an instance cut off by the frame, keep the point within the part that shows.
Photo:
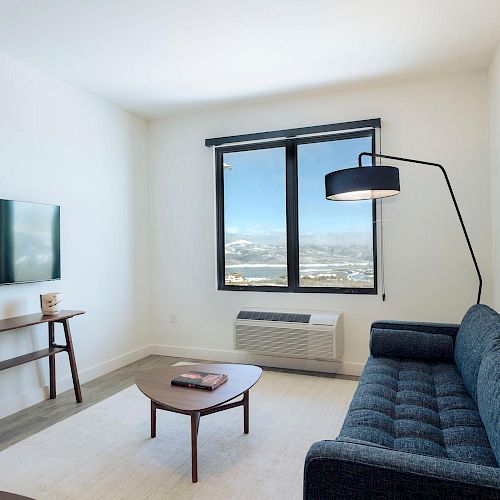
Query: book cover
(200,380)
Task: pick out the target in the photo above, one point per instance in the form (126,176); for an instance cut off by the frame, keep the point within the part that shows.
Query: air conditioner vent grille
(285,341)
(274,316)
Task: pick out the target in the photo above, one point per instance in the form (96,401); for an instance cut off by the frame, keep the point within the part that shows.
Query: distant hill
(241,252)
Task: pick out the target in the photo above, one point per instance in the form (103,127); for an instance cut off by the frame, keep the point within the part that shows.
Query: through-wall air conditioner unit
(297,334)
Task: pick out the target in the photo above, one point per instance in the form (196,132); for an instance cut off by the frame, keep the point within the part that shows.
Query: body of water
(273,272)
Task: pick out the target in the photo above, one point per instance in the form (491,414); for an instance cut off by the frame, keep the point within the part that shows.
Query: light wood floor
(34,419)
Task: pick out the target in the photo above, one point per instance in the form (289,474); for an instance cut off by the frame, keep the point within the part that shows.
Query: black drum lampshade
(362,183)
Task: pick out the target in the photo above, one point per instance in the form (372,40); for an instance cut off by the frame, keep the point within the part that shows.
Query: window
(255,250)
(276,230)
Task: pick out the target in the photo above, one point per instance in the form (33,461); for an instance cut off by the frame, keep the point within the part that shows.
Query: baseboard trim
(34,396)
(231,356)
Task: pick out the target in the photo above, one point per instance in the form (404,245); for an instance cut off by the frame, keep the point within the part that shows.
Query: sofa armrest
(339,470)
(417,326)
(430,341)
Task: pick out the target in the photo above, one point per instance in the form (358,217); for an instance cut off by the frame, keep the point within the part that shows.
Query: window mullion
(220,225)
(292,219)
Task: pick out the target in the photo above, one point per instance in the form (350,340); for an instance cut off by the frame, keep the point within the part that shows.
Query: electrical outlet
(173,317)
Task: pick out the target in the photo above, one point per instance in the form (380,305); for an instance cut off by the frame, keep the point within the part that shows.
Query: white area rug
(105,451)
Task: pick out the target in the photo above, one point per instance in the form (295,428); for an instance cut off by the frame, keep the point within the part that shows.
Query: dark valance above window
(295,132)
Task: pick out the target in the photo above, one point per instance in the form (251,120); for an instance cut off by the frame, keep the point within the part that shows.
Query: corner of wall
(494,87)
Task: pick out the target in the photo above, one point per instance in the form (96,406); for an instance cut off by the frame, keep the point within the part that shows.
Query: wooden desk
(37,319)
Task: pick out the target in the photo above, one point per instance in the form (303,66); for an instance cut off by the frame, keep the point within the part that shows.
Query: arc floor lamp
(372,182)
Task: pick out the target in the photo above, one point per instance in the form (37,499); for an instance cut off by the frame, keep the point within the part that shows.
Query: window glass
(335,238)
(255,217)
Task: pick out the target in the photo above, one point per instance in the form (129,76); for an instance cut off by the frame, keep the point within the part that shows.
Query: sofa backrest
(488,396)
(476,335)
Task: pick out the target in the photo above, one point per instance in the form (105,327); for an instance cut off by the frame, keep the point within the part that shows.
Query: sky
(254,195)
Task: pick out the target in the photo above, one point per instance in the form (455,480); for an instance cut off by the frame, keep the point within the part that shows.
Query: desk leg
(195,422)
(52,363)
(72,361)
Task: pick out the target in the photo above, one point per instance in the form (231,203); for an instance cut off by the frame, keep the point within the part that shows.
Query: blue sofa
(425,419)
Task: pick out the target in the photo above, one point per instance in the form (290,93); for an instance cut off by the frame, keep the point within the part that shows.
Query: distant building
(235,279)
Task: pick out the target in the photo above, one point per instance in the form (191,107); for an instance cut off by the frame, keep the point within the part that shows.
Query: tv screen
(29,242)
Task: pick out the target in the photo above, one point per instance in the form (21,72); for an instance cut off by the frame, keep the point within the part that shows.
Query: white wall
(62,146)
(429,274)
(495,170)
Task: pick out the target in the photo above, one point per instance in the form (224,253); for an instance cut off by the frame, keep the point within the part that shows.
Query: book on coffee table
(200,380)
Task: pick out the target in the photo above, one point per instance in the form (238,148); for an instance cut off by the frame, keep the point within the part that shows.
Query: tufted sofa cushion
(417,407)
(479,328)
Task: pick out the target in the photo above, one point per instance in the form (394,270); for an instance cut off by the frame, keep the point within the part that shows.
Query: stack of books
(200,380)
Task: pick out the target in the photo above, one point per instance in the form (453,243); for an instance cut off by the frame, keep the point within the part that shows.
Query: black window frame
(292,219)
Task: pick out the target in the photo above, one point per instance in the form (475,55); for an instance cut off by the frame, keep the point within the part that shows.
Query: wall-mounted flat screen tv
(30,248)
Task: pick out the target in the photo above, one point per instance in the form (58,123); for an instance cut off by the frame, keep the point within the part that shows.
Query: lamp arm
(452,194)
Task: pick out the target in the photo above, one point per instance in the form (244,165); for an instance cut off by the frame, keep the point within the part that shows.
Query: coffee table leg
(195,422)
(153,419)
(246,401)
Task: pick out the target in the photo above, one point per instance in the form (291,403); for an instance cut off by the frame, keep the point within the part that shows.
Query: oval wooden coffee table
(155,384)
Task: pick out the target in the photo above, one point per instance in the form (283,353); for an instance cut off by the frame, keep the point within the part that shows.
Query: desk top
(35,319)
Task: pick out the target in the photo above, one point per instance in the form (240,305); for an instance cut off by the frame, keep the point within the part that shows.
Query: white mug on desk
(49,303)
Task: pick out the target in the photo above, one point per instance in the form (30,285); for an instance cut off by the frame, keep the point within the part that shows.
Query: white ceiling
(154,57)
